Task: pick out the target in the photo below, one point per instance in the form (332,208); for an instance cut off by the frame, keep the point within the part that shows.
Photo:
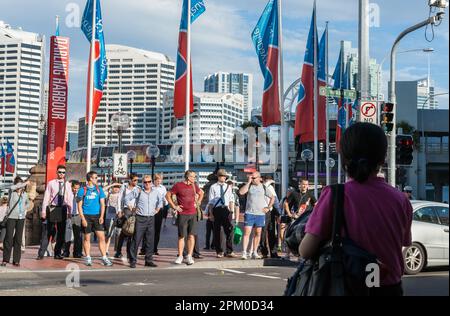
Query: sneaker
(189,260)
(118,255)
(106,262)
(89,261)
(256,256)
(244,256)
(219,255)
(179,260)
(231,255)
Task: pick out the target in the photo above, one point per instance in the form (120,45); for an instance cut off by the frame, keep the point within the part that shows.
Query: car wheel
(414,258)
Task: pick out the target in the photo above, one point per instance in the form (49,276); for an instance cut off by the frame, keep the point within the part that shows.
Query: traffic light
(387,117)
(404,149)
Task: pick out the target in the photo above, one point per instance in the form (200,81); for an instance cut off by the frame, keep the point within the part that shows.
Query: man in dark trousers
(212,179)
(268,235)
(221,206)
(76,226)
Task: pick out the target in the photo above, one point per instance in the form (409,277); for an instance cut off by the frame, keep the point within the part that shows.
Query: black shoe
(77,256)
(150,264)
(213,248)
(133,265)
(275,256)
(197,256)
(66,255)
(16,264)
(3,264)
(58,257)
(142,253)
(206,248)
(156,253)
(118,255)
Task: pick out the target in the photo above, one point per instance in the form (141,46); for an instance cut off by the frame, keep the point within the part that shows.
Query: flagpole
(316,121)
(341,99)
(284,127)
(187,145)
(327,118)
(91,87)
(57,26)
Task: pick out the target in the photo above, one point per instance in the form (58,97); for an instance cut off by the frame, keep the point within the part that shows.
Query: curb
(228,264)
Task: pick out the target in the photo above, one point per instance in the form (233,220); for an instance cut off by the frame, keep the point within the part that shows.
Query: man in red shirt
(187,194)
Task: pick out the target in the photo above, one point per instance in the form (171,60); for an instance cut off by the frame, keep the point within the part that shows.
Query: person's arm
(68,198)
(270,204)
(169,199)
(244,189)
(201,194)
(309,246)
(159,203)
(46,200)
(80,211)
(287,209)
(101,220)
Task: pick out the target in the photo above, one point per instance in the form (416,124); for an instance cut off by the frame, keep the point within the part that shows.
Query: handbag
(197,205)
(55,213)
(5,219)
(129,226)
(340,267)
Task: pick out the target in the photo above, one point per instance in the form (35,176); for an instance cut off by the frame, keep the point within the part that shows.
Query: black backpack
(339,269)
(296,231)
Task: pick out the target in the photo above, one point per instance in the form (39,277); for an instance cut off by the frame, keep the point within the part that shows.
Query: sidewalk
(167,255)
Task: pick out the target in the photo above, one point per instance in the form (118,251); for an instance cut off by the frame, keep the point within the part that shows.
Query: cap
(407,188)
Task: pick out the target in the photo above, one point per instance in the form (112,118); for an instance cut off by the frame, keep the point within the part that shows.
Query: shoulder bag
(5,219)
(55,213)
(129,226)
(340,267)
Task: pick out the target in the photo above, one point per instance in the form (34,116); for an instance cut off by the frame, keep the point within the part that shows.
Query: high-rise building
(82,132)
(21,94)
(215,117)
(44,108)
(137,80)
(72,136)
(425,95)
(234,83)
(351,58)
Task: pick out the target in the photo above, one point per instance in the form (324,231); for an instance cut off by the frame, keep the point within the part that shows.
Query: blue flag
(100,67)
(265,39)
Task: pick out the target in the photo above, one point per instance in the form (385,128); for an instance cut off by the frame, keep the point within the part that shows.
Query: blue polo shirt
(91,202)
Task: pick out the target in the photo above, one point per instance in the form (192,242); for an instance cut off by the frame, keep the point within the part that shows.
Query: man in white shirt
(221,206)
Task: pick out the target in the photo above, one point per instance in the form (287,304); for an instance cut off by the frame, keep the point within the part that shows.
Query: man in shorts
(91,207)
(187,194)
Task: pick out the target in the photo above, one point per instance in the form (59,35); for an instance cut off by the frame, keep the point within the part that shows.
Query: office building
(234,83)
(21,94)
(137,80)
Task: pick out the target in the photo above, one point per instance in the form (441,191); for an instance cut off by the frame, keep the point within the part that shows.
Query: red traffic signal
(387,107)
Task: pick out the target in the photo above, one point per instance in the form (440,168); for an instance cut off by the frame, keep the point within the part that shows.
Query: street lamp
(120,122)
(380,66)
(152,152)
(102,164)
(306,156)
(219,152)
(131,155)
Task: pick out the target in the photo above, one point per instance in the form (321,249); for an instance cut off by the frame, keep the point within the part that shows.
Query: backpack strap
(338,214)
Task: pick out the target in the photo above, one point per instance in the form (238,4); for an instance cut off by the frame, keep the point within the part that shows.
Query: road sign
(330,92)
(369,112)
(120,169)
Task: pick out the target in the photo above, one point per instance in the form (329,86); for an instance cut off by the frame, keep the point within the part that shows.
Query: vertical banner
(57,104)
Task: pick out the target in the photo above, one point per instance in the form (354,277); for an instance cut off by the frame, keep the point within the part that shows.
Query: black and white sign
(120,166)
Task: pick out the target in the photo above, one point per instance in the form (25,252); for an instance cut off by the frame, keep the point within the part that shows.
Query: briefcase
(55,214)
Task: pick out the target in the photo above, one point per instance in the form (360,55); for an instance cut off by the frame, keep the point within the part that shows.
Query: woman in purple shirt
(377,215)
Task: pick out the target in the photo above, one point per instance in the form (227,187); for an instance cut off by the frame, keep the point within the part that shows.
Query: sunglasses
(61,172)
(146,182)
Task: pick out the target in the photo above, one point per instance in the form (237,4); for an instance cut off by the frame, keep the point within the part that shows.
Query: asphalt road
(268,281)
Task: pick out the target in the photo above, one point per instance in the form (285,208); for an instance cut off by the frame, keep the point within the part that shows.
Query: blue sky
(221,37)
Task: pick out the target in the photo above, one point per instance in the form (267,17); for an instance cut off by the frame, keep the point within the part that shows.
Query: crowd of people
(377,216)
(72,212)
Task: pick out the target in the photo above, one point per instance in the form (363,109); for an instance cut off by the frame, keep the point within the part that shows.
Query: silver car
(430,236)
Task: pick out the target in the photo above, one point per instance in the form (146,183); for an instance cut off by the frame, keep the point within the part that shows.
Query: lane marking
(233,271)
(264,276)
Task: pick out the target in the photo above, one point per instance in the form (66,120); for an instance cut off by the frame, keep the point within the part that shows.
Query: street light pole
(392,93)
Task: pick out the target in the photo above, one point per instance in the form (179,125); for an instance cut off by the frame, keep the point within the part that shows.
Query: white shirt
(215,195)
(162,191)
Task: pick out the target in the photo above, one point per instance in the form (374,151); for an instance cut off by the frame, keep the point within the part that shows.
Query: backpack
(339,269)
(295,232)
(85,191)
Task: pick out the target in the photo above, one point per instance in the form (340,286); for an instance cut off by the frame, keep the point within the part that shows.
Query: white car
(430,237)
